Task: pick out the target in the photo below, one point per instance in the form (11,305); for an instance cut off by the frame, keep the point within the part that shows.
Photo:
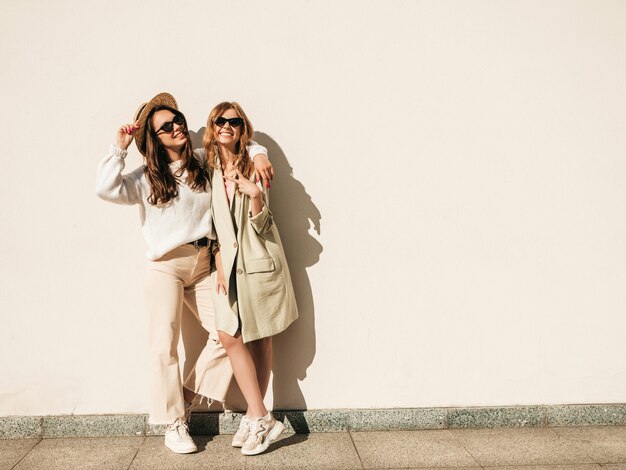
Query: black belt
(204,241)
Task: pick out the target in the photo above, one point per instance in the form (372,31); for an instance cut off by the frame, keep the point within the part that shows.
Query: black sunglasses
(168,126)
(234,122)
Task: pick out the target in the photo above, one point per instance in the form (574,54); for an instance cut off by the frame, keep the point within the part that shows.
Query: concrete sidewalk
(579,448)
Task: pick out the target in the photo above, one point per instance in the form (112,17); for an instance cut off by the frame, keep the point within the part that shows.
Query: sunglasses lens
(234,122)
(178,119)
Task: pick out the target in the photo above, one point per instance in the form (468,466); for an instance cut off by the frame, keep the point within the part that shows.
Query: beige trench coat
(260,291)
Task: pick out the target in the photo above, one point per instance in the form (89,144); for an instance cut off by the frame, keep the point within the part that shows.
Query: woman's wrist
(119,151)
(256,204)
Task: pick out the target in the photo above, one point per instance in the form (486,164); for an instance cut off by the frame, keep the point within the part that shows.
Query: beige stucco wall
(462,160)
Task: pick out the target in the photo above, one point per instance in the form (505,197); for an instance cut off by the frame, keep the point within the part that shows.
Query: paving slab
(408,449)
(582,466)
(317,451)
(214,452)
(428,468)
(562,448)
(82,453)
(604,444)
(13,450)
(521,446)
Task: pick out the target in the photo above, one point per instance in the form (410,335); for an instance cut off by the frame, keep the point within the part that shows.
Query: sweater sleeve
(255,149)
(111,185)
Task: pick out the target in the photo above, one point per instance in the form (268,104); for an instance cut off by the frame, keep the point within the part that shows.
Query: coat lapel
(242,206)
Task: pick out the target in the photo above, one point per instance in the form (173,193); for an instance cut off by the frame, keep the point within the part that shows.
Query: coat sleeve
(111,185)
(263,221)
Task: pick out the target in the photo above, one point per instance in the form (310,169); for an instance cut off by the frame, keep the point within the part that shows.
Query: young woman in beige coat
(254,297)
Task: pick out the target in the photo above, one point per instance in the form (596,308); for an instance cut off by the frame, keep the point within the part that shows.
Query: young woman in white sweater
(173,192)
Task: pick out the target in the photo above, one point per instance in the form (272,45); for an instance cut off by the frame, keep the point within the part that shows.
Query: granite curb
(335,420)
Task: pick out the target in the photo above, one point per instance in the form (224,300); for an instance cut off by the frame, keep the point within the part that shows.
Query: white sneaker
(242,433)
(263,431)
(177,438)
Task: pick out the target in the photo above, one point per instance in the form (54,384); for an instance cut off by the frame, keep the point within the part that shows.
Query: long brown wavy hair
(242,160)
(164,183)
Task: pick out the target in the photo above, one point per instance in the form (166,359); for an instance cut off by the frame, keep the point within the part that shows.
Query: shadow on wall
(294,213)
(294,350)
(196,137)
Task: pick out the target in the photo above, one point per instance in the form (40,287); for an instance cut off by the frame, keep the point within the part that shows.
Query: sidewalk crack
(24,456)
(356,450)
(460,441)
(136,452)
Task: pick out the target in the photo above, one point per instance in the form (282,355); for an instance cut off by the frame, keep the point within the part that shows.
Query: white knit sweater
(183,219)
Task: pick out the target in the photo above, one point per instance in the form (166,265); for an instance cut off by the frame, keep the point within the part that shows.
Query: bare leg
(261,351)
(245,373)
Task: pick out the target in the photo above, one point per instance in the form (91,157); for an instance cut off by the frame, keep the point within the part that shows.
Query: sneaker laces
(244,425)
(257,429)
(253,426)
(177,425)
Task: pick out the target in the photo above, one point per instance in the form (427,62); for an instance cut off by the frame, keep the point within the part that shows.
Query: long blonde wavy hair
(242,159)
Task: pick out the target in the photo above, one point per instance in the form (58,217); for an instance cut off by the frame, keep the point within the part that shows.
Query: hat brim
(142,113)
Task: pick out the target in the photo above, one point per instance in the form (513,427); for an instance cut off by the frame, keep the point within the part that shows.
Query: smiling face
(227,135)
(170,129)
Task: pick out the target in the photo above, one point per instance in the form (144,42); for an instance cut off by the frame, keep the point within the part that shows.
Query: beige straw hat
(144,111)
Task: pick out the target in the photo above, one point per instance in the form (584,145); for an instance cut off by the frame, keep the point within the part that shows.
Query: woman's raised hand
(245,186)
(125,135)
